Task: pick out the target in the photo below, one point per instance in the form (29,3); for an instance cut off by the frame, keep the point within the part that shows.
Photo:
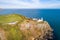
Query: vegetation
(12,32)
(11,18)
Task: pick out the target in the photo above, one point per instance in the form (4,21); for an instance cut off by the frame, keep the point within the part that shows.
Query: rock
(39,31)
(18,27)
(2,34)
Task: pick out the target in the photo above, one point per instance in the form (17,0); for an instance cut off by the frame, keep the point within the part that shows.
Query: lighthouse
(40,20)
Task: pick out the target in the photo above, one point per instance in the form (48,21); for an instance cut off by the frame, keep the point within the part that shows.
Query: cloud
(6,4)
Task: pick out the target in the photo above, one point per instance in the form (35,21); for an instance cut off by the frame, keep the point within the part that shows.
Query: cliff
(18,27)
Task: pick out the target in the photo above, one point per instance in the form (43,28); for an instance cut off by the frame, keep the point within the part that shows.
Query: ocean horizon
(52,16)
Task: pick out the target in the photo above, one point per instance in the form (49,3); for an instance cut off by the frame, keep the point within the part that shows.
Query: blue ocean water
(50,15)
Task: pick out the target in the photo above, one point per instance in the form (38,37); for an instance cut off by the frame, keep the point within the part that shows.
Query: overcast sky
(29,4)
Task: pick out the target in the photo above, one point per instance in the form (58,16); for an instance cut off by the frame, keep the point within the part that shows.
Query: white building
(40,20)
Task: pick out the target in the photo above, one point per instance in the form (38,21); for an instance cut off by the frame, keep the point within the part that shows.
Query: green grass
(12,32)
(11,18)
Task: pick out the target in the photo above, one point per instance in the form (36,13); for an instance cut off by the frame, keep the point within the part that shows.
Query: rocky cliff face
(34,30)
(25,29)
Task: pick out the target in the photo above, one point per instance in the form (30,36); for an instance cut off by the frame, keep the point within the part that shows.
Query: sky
(20,4)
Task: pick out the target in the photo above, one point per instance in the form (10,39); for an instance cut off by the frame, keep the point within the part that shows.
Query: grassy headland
(18,27)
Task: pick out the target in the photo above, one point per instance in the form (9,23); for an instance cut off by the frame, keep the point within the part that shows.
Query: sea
(52,16)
